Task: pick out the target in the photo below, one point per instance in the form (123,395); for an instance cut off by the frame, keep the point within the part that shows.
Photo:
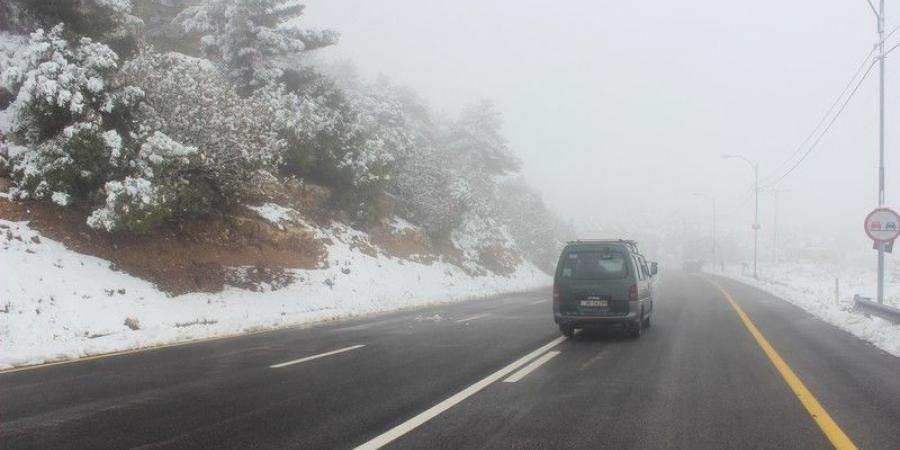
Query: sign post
(883,227)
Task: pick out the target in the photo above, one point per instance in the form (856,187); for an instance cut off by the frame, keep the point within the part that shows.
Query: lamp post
(713,199)
(755,168)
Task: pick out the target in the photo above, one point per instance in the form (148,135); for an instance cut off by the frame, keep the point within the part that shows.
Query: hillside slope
(57,304)
(70,291)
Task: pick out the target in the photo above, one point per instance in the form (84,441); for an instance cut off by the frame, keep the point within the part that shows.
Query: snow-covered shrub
(67,103)
(76,162)
(251,37)
(160,189)
(189,101)
(486,244)
(429,194)
(62,83)
(4,157)
(94,139)
(131,204)
(12,54)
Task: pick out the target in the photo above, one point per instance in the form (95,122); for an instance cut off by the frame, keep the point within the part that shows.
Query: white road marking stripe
(479,316)
(430,413)
(539,301)
(523,372)
(310,358)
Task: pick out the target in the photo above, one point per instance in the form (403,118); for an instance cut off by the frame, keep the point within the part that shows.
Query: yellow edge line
(149,349)
(831,429)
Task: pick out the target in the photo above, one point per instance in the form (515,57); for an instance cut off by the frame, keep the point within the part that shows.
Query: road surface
(481,374)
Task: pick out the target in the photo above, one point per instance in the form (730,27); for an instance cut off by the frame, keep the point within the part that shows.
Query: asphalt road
(696,379)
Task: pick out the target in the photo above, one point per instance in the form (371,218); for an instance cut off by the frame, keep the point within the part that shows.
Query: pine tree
(106,21)
(252,38)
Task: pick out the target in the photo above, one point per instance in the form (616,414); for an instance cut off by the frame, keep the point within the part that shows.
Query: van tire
(637,328)
(567,330)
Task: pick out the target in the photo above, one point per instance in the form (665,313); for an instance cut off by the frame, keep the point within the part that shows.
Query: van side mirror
(654,268)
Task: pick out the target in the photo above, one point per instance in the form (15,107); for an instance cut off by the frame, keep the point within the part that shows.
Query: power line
(888,36)
(826,115)
(825,131)
(743,199)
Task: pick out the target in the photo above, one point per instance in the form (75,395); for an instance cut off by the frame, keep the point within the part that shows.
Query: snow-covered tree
(425,186)
(107,21)
(538,233)
(476,141)
(189,101)
(474,145)
(347,139)
(251,38)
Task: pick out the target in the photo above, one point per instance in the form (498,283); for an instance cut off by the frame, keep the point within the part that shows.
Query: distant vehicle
(693,266)
(603,282)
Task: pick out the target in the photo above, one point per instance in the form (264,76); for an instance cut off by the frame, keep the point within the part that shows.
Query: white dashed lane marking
(320,355)
(479,316)
(523,372)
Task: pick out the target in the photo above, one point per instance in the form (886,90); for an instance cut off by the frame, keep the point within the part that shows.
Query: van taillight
(556,296)
(632,293)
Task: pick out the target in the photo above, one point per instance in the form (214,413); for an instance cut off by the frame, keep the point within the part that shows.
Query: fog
(621,110)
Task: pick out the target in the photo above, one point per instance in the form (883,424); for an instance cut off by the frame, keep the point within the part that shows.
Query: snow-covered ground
(811,286)
(57,304)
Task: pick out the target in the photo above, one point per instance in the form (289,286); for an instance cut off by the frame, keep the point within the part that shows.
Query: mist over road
(493,373)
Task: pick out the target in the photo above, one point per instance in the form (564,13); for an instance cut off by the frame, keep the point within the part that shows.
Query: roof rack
(629,242)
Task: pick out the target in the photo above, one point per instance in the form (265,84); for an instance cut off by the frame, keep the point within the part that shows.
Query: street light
(755,167)
(713,199)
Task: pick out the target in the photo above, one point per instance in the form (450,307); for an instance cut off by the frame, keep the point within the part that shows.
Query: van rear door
(594,281)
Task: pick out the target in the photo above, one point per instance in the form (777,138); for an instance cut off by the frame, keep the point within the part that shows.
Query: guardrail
(867,306)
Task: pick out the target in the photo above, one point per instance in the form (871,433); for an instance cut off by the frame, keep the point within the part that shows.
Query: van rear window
(594,265)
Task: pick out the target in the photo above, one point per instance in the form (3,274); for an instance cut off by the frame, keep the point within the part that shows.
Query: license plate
(595,303)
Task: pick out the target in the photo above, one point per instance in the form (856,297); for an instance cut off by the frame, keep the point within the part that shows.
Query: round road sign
(883,225)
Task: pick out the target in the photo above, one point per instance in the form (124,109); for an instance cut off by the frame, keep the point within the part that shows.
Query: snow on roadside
(57,304)
(812,287)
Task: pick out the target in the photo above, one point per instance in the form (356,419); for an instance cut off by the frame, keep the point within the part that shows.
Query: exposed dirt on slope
(198,255)
(406,244)
(239,248)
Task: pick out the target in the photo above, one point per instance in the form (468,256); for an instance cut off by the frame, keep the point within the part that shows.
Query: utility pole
(756,226)
(775,228)
(755,220)
(879,16)
(881,142)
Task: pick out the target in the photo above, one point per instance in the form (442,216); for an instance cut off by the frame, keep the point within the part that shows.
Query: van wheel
(637,329)
(567,330)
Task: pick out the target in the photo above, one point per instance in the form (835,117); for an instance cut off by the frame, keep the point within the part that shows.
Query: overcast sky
(621,109)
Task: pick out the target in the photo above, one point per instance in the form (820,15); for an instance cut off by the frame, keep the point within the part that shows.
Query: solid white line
(430,413)
(530,368)
(539,301)
(310,358)
(479,316)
